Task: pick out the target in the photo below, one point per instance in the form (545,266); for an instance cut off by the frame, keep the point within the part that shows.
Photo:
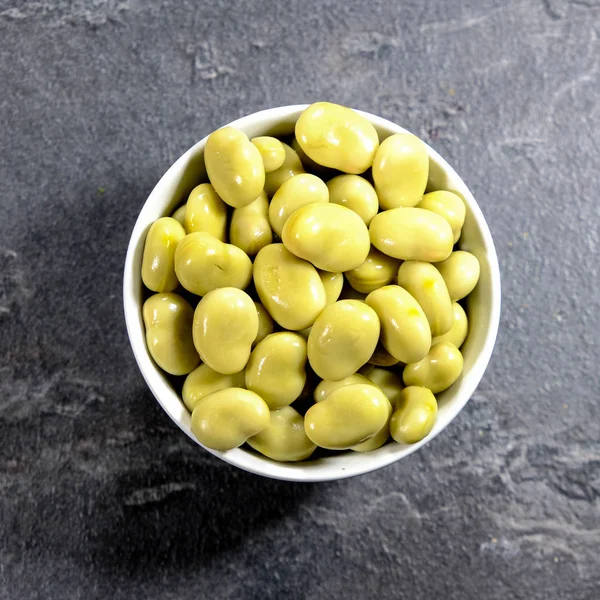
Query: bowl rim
(318,470)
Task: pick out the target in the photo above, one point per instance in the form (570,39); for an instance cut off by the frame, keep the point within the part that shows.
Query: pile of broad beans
(310,290)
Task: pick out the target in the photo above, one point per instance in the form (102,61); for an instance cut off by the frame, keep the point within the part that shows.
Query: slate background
(101,495)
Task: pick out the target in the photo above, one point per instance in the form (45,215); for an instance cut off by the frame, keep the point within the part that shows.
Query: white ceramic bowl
(483,307)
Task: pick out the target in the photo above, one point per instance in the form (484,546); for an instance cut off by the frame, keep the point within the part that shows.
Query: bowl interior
(483,306)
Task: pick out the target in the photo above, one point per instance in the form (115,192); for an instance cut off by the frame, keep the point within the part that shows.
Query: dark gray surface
(101,495)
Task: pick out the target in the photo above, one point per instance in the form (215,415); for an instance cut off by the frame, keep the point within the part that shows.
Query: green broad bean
(331,237)
(459,329)
(337,137)
(349,416)
(203,381)
(377,270)
(414,416)
(225,325)
(400,171)
(204,263)
(271,151)
(294,193)
(342,339)
(158,260)
(405,331)
(288,287)
(250,229)
(425,284)
(460,272)
(226,419)
(168,322)
(412,234)
(356,193)
(234,166)
(324,388)
(291,167)
(206,212)
(265,323)
(333,283)
(179,215)
(284,439)
(438,370)
(449,206)
(276,370)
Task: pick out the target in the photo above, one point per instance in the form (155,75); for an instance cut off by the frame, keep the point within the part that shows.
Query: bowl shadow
(185,507)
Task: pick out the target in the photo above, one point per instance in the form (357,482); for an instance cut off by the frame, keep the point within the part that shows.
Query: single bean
(438,370)
(324,388)
(288,287)
(204,263)
(405,331)
(271,150)
(333,283)
(158,261)
(203,381)
(349,416)
(400,171)
(234,166)
(179,215)
(425,284)
(250,229)
(291,166)
(226,419)
(284,439)
(225,325)
(265,323)
(377,270)
(356,193)
(205,211)
(460,272)
(331,237)
(449,206)
(168,322)
(414,416)
(459,330)
(412,234)
(342,339)
(276,370)
(337,137)
(294,193)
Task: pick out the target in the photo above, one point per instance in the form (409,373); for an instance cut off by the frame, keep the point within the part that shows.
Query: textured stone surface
(101,495)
